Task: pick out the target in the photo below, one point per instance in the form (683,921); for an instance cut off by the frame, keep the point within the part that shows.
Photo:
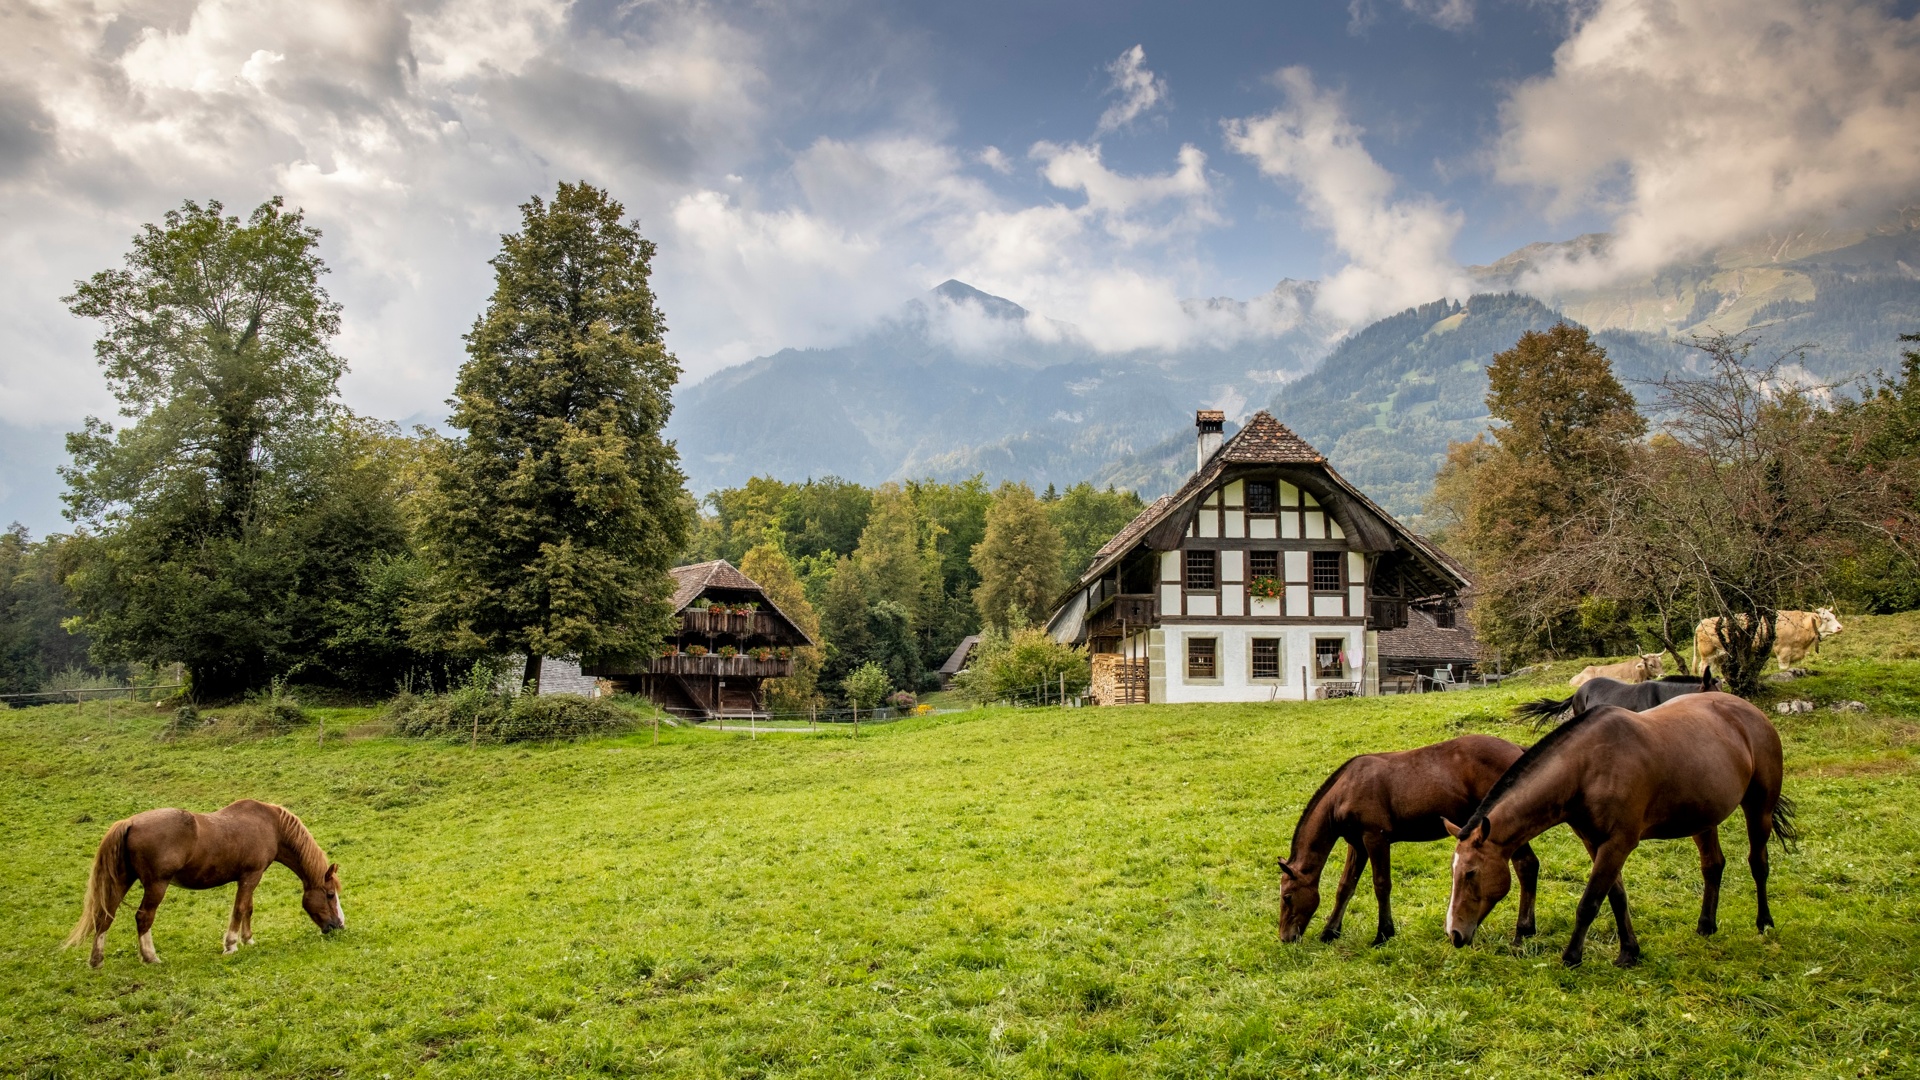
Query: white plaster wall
(561,676)
(1235,659)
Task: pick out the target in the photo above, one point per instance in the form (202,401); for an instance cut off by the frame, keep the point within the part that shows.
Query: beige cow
(1795,634)
(1643,668)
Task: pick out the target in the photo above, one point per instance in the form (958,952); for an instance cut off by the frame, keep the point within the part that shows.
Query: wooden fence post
(1303,682)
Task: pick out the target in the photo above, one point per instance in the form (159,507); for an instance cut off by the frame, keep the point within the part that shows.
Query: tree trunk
(531,681)
(1747,640)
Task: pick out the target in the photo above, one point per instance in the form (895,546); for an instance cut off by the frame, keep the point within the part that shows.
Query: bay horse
(1619,777)
(1635,697)
(1377,800)
(204,851)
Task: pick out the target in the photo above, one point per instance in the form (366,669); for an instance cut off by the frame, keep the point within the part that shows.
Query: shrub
(867,686)
(1026,666)
(474,709)
(902,701)
(272,711)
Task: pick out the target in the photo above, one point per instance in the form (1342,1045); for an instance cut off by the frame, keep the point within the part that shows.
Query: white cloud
(1139,90)
(1395,249)
(1694,125)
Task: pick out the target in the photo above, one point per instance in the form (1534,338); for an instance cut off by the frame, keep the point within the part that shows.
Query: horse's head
(1827,621)
(1299,899)
(322,901)
(1480,878)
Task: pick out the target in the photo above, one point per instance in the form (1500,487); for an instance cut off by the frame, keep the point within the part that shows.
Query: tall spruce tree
(554,520)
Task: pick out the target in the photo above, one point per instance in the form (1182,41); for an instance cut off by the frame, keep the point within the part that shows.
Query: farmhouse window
(1266,658)
(1443,618)
(1200,570)
(1259,497)
(1203,657)
(1326,571)
(1263,564)
(1330,658)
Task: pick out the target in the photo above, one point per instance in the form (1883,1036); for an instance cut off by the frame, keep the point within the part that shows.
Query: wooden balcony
(704,622)
(1386,613)
(1135,610)
(711,664)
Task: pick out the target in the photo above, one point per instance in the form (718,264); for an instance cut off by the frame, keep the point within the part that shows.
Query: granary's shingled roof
(690,581)
(1423,639)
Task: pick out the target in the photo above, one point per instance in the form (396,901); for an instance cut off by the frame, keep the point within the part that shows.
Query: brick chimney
(1209,422)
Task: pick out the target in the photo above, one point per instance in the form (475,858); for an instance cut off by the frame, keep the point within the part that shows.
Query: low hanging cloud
(1696,125)
(1139,90)
(1395,247)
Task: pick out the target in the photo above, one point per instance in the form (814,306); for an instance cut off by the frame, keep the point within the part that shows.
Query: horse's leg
(1712,862)
(243,900)
(1608,858)
(1349,877)
(1529,867)
(239,925)
(1623,925)
(116,892)
(1759,808)
(155,891)
(1379,850)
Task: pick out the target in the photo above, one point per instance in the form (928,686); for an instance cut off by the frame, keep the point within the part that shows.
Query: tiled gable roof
(690,581)
(1141,523)
(1266,441)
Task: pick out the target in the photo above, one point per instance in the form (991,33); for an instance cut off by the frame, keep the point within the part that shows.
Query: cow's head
(1653,665)
(1827,622)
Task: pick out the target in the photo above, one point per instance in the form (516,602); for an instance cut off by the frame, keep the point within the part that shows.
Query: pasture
(1000,892)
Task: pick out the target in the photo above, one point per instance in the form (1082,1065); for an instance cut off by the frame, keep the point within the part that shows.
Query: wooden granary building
(1265,576)
(729,638)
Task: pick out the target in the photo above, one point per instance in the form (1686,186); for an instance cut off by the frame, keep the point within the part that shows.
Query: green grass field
(1073,892)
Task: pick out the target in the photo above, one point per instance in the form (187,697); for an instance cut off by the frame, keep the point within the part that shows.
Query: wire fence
(80,695)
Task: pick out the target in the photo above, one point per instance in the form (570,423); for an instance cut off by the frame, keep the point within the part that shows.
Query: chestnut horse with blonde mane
(1618,777)
(204,851)
(1377,800)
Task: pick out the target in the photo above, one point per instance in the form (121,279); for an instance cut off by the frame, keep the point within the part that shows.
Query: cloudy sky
(807,166)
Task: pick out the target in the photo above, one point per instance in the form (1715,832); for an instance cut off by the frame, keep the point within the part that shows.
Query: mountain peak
(954,291)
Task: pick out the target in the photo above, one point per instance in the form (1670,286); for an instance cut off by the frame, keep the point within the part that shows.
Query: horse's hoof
(1329,936)
(1707,929)
(1381,939)
(1626,960)
(229,950)
(1526,930)
(1570,959)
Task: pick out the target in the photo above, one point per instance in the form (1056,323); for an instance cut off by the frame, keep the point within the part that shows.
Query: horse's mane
(313,861)
(1527,763)
(1319,794)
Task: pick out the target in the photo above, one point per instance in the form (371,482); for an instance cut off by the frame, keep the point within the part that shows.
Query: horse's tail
(1542,709)
(1784,828)
(109,872)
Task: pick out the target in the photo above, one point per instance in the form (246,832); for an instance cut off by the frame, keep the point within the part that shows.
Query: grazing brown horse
(1377,800)
(1620,777)
(204,851)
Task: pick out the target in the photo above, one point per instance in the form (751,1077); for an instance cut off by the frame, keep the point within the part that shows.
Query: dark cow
(1636,697)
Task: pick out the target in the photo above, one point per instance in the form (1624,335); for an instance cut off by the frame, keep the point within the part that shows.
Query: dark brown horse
(204,851)
(1377,800)
(1620,777)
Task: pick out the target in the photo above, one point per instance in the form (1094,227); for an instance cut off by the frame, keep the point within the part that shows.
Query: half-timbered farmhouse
(729,637)
(1266,576)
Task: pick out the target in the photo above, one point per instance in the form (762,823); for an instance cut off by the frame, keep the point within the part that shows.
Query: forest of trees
(240,522)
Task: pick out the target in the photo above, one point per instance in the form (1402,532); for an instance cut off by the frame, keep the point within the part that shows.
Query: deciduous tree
(555,517)
(1018,560)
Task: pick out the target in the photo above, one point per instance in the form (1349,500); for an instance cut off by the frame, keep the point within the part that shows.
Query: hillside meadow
(998,892)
